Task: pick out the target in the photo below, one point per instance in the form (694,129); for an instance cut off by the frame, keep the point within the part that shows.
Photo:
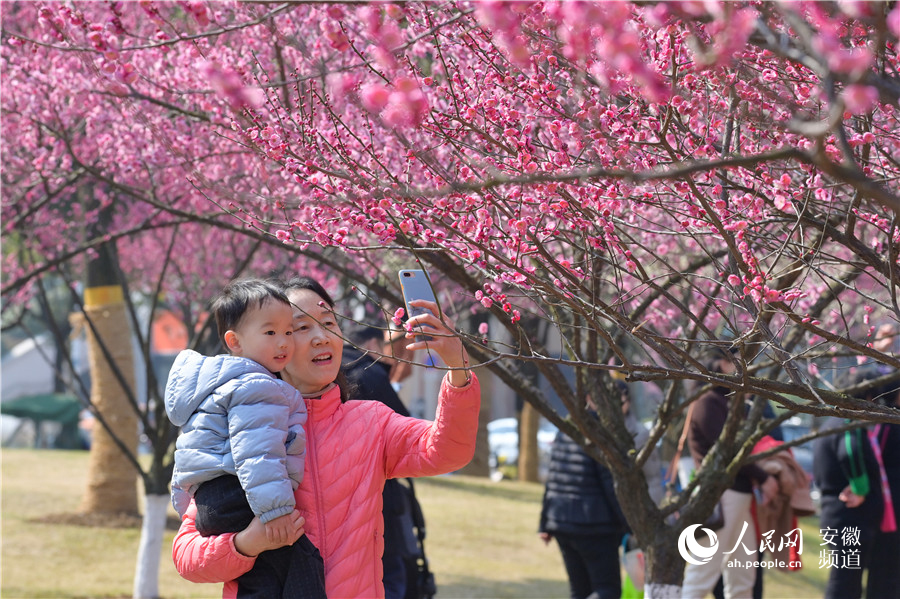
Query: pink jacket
(351,449)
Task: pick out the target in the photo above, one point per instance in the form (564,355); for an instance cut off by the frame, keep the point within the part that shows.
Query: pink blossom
(856,8)
(118,89)
(341,85)
(854,61)
(394,11)
(228,83)
(198,11)
(893,21)
(282,235)
(483,328)
(859,99)
(374,97)
(782,202)
(397,318)
(407,105)
(730,30)
(336,37)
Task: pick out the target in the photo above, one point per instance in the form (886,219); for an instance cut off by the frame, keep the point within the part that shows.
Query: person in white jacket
(242,448)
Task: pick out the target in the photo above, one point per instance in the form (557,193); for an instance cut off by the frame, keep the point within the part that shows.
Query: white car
(503,439)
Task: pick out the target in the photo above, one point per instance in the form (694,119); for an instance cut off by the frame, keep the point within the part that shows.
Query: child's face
(264,335)
(317,342)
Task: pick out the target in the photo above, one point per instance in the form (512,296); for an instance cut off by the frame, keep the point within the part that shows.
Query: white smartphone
(416,285)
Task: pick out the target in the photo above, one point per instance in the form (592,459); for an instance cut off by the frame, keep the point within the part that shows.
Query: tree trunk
(146,575)
(528,449)
(655,590)
(112,484)
(664,569)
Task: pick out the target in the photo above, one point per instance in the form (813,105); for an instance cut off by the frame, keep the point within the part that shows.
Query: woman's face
(317,343)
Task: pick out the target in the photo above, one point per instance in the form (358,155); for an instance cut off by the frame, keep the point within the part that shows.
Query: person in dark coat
(883,581)
(884,567)
(370,372)
(846,472)
(581,512)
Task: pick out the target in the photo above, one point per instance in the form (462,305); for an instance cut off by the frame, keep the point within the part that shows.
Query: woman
(352,448)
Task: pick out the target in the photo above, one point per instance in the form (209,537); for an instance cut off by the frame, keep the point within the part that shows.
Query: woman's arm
(206,559)
(420,448)
(416,447)
(224,557)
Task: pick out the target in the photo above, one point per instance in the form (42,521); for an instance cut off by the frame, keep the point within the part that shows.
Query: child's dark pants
(295,571)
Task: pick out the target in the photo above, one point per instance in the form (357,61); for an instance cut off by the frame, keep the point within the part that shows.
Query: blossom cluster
(681,167)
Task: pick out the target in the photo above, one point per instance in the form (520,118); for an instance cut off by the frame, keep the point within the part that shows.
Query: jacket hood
(194,377)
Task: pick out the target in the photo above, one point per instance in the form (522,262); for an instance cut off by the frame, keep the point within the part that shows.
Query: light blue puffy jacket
(236,418)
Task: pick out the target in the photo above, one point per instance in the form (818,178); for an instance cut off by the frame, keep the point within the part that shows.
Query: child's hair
(238,296)
(309,284)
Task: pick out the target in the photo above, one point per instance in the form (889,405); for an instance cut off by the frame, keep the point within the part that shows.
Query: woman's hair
(712,357)
(309,284)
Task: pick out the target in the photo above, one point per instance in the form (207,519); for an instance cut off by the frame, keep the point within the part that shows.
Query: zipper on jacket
(314,458)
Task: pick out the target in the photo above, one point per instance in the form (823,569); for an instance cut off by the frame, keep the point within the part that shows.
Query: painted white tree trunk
(661,591)
(146,575)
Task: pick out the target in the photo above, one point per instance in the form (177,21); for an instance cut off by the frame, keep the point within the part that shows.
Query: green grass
(482,540)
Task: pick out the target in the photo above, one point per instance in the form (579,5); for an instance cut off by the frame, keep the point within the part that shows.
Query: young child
(242,446)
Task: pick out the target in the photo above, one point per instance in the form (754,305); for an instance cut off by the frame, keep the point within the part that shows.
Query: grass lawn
(481,540)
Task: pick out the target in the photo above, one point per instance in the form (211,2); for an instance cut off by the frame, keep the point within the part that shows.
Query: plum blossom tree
(638,182)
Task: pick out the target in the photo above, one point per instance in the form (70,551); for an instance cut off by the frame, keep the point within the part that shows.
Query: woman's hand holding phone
(430,329)
(442,340)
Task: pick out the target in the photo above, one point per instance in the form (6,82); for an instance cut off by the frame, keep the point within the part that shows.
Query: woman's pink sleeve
(206,559)
(421,448)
